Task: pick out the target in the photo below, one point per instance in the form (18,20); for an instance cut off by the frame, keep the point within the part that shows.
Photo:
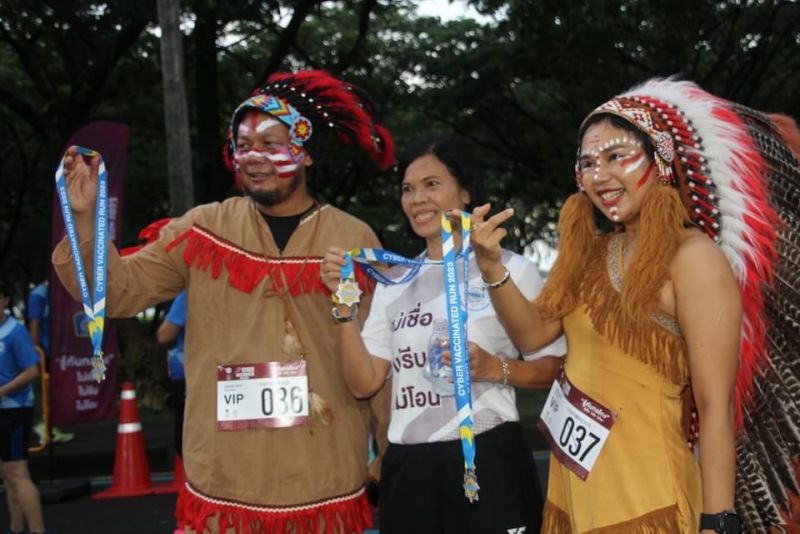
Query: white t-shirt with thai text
(399,327)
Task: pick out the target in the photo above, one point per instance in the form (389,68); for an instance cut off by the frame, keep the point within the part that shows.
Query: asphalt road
(152,514)
(91,456)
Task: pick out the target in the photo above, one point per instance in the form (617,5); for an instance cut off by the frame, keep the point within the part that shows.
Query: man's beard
(276,196)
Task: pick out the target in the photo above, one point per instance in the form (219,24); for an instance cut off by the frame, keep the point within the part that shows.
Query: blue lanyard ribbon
(93,306)
(365,256)
(457,320)
(459,350)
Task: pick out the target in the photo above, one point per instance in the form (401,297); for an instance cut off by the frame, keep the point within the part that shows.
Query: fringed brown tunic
(247,304)
(645,479)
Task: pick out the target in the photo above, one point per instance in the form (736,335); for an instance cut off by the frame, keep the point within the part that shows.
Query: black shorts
(421,487)
(15,433)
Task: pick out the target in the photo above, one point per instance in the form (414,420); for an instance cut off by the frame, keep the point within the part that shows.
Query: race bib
(576,426)
(262,395)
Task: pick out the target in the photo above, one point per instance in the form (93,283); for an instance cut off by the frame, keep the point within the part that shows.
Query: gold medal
(348,292)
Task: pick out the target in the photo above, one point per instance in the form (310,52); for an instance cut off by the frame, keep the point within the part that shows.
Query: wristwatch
(344,318)
(726,522)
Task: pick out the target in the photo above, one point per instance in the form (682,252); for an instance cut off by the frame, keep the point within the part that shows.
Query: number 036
(285,400)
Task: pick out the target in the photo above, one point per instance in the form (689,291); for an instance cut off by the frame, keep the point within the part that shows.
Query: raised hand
(485,238)
(81,181)
(331,270)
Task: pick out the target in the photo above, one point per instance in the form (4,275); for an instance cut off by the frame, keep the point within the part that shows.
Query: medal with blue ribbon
(456,316)
(348,292)
(348,286)
(459,349)
(94,305)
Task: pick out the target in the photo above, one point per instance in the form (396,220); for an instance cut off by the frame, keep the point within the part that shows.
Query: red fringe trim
(148,234)
(349,514)
(294,275)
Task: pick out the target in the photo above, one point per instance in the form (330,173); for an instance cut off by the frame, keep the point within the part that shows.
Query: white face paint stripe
(634,165)
(285,164)
(267,123)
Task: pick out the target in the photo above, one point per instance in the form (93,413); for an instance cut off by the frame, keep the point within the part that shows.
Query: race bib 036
(262,395)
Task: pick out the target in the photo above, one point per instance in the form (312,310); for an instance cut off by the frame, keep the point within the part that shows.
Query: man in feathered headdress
(273,440)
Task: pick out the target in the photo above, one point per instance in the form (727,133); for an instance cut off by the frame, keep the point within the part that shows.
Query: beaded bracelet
(506,371)
(500,283)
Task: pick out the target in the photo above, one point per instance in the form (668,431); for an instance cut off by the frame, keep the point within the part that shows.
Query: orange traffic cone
(131,472)
(178,478)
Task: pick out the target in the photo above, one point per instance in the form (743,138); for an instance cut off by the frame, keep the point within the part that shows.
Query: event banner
(75,397)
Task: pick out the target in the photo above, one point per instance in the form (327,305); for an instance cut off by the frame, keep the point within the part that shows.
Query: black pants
(421,487)
(178,405)
(15,433)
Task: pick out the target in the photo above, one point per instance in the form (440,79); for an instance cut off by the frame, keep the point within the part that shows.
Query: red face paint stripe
(643,179)
(253,121)
(630,160)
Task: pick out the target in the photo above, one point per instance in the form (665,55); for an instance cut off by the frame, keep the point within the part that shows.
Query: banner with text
(75,397)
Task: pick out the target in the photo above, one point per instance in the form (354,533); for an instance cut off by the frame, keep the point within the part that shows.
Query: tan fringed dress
(645,478)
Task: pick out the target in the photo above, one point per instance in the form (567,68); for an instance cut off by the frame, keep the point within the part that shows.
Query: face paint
(268,123)
(591,159)
(631,163)
(280,157)
(614,212)
(643,179)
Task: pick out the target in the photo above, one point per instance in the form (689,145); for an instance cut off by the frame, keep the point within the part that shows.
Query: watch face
(730,523)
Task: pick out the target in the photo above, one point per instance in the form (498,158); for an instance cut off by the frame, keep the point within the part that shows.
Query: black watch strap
(339,318)
(725,522)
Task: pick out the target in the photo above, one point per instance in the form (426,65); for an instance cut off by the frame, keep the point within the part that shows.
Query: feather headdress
(740,183)
(311,101)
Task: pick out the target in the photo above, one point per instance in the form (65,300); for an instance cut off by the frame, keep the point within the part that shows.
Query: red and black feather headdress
(324,101)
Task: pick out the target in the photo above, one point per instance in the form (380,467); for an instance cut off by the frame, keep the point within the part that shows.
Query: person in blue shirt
(171,332)
(39,326)
(19,367)
(39,316)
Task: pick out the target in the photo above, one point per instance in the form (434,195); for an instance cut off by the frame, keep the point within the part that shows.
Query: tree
(176,116)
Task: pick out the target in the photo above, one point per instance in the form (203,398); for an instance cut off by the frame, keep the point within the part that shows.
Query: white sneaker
(60,436)
(39,430)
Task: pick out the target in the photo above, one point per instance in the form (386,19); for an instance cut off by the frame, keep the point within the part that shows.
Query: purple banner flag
(75,397)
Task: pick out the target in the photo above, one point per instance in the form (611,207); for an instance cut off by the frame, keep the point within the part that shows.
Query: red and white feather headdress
(740,182)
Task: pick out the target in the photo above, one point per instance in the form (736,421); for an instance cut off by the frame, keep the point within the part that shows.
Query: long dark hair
(455,154)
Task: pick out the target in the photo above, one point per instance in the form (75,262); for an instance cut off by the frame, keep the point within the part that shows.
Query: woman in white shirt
(421,479)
